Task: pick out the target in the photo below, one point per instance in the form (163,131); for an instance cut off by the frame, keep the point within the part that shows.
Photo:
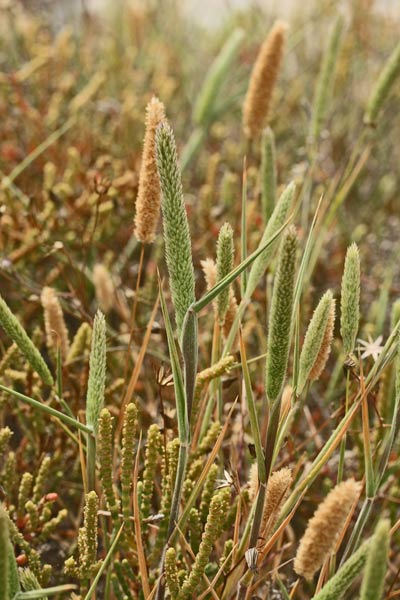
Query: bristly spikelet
(325,349)
(81,343)
(97,373)
(4,543)
(225,250)
(376,565)
(14,330)
(178,249)
(280,317)
(56,330)
(268,173)
(278,488)
(148,198)
(209,268)
(262,81)
(382,86)
(254,482)
(314,339)
(350,301)
(324,527)
(9,580)
(341,581)
(325,80)
(103,287)
(275,222)
(217,514)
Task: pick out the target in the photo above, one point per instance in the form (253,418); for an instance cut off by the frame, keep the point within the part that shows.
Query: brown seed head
(56,330)
(149,194)
(104,287)
(277,491)
(324,527)
(262,81)
(325,349)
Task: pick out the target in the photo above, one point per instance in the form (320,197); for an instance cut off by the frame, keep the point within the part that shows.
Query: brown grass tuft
(149,193)
(324,527)
(325,349)
(262,81)
(56,330)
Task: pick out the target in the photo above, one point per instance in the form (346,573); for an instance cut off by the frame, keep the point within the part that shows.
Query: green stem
(47,409)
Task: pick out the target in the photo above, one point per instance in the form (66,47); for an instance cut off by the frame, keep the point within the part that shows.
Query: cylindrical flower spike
(262,81)
(314,340)
(275,222)
(324,527)
(280,317)
(225,250)
(56,330)
(325,349)
(376,565)
(15,331)
(350,301)
(148,198)
(97,373)
(178,249)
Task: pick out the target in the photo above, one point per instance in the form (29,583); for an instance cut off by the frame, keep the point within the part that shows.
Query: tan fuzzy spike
(325,349)
(149,193)
(253,482)
(324,527)
(277,491)
(56,330)
(104,287)
(262,81)
(210,272)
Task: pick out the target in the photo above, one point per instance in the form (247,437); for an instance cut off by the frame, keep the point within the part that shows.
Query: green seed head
(225,250)
(350,302)
(15,331)
(275,222)
(178,251)
(314,339)
(376,565)
(280,317)
(97,372)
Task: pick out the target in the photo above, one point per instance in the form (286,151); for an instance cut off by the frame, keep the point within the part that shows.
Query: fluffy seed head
(277,492)
(104,287)
(325,349)
(262,81)
(350,301)
(148,198)
(56,330)
(324,528)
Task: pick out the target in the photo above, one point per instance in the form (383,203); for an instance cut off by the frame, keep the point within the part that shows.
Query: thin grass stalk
(47,409)
(243,282)
(268,174)
(255,430)
(325,81)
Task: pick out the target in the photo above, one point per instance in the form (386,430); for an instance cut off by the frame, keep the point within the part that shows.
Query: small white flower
(372,347)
